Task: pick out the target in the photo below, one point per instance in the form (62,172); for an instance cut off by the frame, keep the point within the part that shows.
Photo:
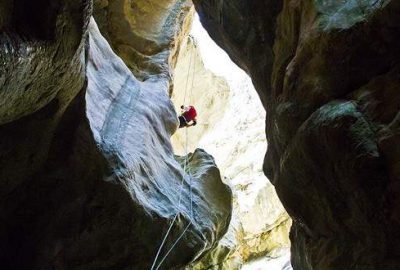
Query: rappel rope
(191,204)
(186,162)
(187,76)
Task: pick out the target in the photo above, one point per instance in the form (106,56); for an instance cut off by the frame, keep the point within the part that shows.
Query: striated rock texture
(132,122)
(88,176)
(327,73)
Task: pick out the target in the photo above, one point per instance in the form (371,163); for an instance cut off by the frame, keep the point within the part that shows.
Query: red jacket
(190,114)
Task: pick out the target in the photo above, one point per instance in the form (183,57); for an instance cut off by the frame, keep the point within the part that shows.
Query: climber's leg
(182,122)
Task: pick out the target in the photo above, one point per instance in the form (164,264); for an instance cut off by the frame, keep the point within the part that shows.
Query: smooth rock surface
(146,34)
(327,73)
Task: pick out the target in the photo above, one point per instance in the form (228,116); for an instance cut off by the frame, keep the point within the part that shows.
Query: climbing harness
(185,167)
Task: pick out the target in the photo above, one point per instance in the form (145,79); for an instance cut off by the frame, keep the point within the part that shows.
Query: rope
(194,72)
(172,222)
(186,161)
(187,76)
(191,206)
(176,242)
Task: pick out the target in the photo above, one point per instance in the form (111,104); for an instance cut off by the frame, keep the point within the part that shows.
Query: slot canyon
(292,164)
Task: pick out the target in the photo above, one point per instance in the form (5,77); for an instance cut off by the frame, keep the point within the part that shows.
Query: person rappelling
(187,117)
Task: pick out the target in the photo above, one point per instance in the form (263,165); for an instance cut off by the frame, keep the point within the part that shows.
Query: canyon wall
(146,34)
(88,176)
(230,127)
(196,85)
(327,73)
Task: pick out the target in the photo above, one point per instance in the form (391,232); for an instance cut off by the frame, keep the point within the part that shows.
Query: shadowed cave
(88,177)
(30,19)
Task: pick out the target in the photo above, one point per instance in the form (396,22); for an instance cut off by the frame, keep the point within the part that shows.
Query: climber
(187,117)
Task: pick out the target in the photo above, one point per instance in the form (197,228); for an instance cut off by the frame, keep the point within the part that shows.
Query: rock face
(88,176)
(33,53)
(195,84)
(41,71)
(231,127)
(145,34)
(143,161)
(327,73)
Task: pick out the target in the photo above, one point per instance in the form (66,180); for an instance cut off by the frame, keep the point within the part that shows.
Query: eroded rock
(88,177)
(231,127)
(145,34)
(143,163)
(41,71)
(326,72)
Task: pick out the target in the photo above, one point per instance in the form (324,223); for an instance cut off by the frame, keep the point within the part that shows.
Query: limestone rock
(41,71)
(146,34)
(231,127)
(327,73)
(195,85)
(88,176)
(143,162)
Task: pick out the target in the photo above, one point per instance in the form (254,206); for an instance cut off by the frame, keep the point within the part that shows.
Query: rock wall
(231,127)
(142,160)
(327,74)
(41,71)
(88,176)
(145,34)
(195,84)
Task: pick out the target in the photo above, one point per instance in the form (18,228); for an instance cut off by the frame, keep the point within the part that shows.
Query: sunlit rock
(195,85)
(143,162)
(231,127)
(146,34)
(281,263)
